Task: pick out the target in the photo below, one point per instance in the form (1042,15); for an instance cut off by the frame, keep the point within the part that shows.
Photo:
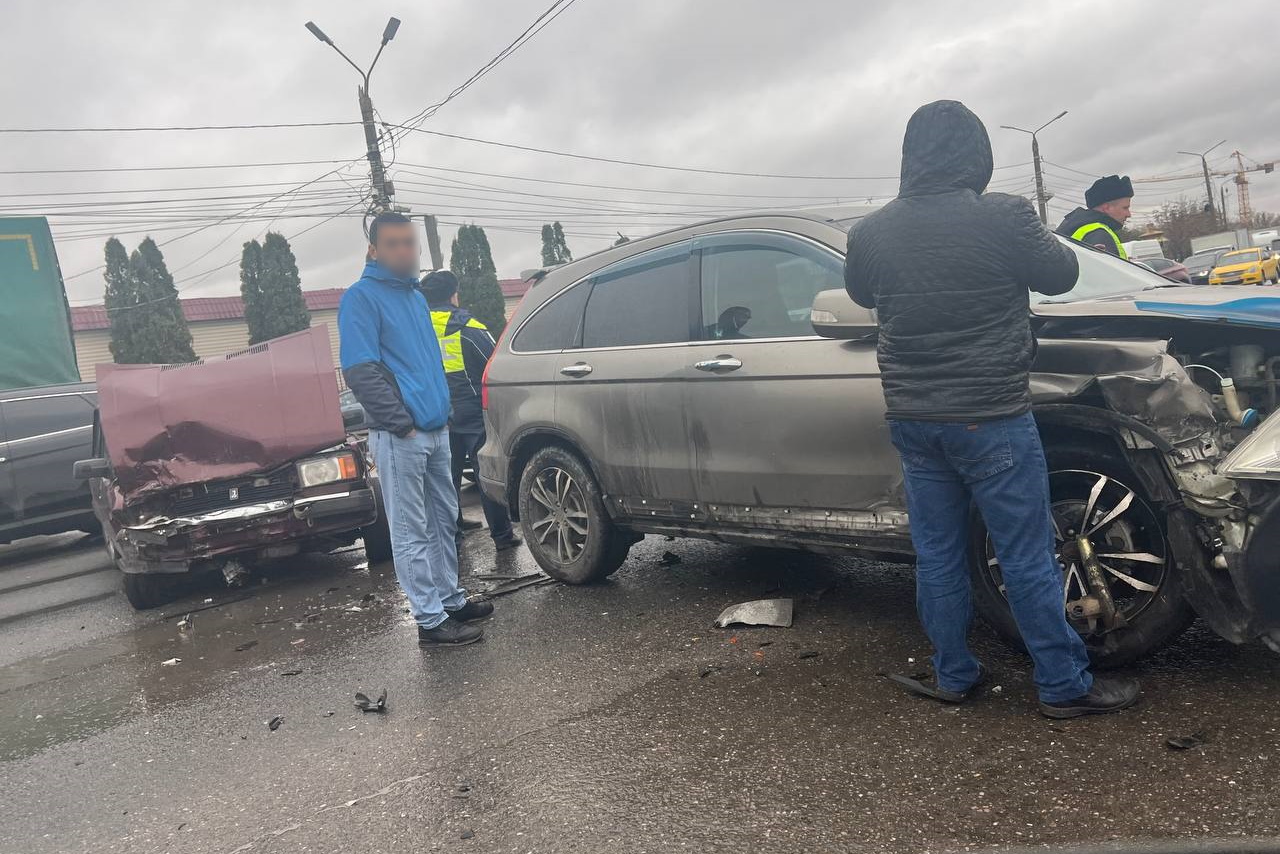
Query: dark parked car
(716,381)
(222,463)
(43,431)
(1172,270)
(1200,265)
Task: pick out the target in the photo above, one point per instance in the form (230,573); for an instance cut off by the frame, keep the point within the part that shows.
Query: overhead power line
(163,129)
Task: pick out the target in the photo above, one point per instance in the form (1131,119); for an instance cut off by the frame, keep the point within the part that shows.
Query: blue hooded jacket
(390,356)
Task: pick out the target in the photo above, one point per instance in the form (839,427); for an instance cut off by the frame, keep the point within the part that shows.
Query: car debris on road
(761,612)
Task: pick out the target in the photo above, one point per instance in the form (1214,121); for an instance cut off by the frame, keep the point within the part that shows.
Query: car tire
(1155,617)
(565,523)
(377,536)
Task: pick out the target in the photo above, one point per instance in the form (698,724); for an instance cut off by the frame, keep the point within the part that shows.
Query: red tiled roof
(205,309)
(202,309)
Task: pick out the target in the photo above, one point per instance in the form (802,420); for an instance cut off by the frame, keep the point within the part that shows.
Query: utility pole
(383,191)
(433,242)
(1042,198)
(1208,185)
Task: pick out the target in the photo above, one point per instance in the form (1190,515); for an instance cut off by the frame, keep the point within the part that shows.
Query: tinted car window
(556,325)
(763,286)
(39,416)
(644,300)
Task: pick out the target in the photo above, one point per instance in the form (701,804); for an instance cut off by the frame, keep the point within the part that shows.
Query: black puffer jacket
(948,271)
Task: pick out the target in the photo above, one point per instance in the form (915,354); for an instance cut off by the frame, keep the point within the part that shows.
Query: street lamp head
(319,33)
(390,32)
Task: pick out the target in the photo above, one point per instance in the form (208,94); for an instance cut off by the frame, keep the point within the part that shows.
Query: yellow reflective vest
(1080,232)
(451,345)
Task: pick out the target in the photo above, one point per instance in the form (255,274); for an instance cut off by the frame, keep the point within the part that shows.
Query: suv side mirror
(88,469)
(836,315)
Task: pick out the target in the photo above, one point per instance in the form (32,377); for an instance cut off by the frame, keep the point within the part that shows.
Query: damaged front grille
(210,497)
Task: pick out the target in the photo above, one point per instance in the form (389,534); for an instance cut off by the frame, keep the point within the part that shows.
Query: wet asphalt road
(610,718)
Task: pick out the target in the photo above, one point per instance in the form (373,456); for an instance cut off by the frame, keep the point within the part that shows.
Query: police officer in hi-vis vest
(1099,225)
(465,345)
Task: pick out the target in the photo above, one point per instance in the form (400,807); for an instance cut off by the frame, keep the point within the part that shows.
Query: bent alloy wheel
(566,526)
(559,519)
(1122,589)
(1099,519)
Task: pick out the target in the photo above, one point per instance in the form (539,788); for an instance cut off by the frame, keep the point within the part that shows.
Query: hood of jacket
(945,149)
(378,273)
(1085,216)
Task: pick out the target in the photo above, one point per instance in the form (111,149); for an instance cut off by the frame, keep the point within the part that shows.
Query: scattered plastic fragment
(327,715)
(468,834)
(810,653)
(298,641)
(291,673)
(250,644)
(670,559)
(235,573)
(761,612)
(274,723)
(364,704)
(1186,742)
(170,663)
(184,625)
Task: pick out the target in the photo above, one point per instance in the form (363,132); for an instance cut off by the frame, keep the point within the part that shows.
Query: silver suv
(716,381)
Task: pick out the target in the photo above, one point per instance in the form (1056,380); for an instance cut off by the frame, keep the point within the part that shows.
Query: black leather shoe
(451,632)
(465,524)
(1108,694)
(933,692)
(508,542)
(476,609)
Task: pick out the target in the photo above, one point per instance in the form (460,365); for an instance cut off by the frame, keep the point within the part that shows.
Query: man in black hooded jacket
(949,271)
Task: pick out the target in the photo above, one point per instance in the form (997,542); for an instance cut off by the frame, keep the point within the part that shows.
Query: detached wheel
(1095,498)
(565,523)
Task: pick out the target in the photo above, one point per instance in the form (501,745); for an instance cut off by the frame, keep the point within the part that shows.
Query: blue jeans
(422,511)
(998,466)
(469,444)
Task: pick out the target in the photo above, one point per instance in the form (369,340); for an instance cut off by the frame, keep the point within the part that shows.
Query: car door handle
(579,370)
(720,364)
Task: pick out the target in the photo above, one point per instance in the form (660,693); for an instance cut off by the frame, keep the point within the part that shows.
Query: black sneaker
(465,524)
(510,541)
(933,692)
(449,633)
(475,609)
(1108,694)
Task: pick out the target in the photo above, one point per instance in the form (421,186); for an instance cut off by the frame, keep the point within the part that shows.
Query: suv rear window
(644,300)
(556,324)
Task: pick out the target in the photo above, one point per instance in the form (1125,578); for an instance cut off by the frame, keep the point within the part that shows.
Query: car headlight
(1258,456)
(321,470)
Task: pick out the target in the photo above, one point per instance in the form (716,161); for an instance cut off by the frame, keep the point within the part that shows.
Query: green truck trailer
(36,348)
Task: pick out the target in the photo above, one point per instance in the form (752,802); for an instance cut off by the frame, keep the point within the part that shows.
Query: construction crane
(1241,174)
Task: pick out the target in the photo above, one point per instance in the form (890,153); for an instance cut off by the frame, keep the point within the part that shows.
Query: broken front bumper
(1255,575)
(274,527)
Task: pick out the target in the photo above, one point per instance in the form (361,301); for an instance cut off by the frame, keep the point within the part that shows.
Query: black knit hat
(1108,189)
(439,285)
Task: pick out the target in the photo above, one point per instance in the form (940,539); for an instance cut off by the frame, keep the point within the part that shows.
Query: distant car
(1253,266)
(1172,270)
(43,431)
(1201,264)
(222,463)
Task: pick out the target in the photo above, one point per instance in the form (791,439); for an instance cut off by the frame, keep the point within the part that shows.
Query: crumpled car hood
(172,425)
(1247,306)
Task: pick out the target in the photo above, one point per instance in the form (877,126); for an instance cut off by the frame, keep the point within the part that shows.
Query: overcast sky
(801,88)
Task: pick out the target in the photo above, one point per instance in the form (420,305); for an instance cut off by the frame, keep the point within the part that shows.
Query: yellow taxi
(1252,266)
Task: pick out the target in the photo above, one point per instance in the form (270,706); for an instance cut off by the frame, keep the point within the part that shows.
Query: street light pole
(1208,185)
(1042,198)
(382,188)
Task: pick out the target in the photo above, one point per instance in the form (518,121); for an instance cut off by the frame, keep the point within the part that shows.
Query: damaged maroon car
(218,464)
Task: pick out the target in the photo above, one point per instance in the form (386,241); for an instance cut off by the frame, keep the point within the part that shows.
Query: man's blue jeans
(998,466)
(422,511)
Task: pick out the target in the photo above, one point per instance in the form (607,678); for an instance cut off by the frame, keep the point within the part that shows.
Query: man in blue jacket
(391,361)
